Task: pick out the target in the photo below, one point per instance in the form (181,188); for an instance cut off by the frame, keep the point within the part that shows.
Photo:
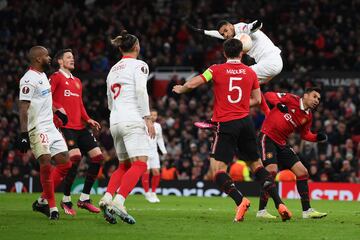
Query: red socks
(145,181)
(155,180)
(47,184)
(60,172)
(116,177)
(131,177)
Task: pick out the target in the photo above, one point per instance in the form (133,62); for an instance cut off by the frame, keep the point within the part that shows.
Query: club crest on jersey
(67,83)
(27,80)
(41,82)
(71,142)
(25,90)
(303,121)
(77,85)
(293,110)
(269,155)
(144,70)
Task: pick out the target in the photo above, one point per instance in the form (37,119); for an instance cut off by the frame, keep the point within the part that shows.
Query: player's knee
(155,172)
(303,174)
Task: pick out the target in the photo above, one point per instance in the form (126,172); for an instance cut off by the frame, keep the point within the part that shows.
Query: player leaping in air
(267,56)
(290,113)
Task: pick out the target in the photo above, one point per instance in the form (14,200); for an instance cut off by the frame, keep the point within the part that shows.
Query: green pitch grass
(178,218)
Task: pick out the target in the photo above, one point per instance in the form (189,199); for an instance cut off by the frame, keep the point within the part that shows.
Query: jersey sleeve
(141,76)
(208,74)
(160,140)
(27,90)
(276,97)
(54,82)
(213,33)
(243,27)
(108,94)
(306,133)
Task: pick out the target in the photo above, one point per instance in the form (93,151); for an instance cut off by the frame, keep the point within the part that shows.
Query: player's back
(35,87)
(233,84)
(121,83)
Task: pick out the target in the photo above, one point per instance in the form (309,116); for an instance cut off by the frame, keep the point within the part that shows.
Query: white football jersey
(262,45)
(35,87)
(158,140)
(128,100)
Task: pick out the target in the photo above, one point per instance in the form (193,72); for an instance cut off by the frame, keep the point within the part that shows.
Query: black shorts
(82,139)
(273,153)
(235,137)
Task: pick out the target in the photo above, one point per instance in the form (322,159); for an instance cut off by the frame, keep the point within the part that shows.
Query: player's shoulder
(56,75)
(290,96)
(30,77)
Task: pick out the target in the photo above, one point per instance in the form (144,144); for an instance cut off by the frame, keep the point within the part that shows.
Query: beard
(45,66)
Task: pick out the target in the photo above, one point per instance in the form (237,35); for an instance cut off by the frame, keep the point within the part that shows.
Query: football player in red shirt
(291,113)
(67,94)
(236,88)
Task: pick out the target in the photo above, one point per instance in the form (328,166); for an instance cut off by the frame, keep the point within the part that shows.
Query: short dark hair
(221,23)
(59,55)
(311,89)
(125,41)
(232,48)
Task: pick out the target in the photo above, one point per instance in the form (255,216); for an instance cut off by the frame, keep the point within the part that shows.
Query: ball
(246,41)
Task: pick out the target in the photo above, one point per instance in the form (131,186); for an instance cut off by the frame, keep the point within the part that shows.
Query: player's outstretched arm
(189,85)
(211,33)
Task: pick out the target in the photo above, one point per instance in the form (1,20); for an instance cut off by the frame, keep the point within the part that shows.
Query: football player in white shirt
(128,102)
(154,162)
(39,132)
(267,56)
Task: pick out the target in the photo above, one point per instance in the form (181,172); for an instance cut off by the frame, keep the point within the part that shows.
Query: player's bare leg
(302,177)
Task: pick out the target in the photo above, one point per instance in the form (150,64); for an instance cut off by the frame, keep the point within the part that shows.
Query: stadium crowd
(310,34)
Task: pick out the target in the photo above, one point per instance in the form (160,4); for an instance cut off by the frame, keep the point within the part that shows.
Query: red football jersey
(233,84)
(67,93)
(278,126)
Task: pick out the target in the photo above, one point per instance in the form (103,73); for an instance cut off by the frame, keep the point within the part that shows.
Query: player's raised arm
(277,99)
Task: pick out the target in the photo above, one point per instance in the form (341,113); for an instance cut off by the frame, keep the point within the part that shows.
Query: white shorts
(130,140)
(268,67)
(47,141)
(153,160)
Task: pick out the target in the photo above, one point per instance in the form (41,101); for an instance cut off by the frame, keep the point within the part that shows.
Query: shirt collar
(233,61)
(66,74)
(302,106)
(126,56)
(33,69)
